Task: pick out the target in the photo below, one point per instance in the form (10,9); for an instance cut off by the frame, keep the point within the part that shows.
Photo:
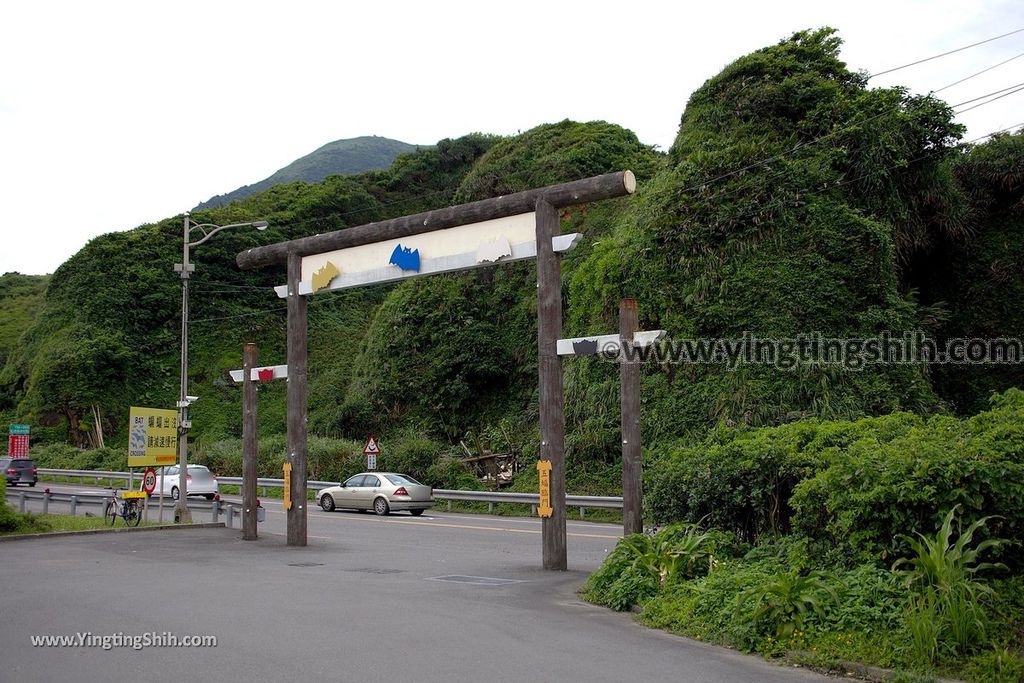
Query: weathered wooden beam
(593,189)
(250,358)
(632,472)
(549,367)
(297,402)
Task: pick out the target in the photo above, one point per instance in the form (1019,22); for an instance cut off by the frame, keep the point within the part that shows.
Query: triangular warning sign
(371,447)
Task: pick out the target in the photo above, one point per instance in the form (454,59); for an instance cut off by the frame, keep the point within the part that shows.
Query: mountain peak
(341,157)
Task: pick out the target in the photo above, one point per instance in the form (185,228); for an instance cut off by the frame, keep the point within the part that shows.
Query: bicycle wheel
(133,515)
(111,512)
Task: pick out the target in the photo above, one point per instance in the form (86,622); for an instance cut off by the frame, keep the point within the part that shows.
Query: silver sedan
(381,492)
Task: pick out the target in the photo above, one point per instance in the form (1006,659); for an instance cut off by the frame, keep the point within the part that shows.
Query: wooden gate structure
(498,230)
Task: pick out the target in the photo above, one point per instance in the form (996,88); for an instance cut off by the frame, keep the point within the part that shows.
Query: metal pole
(297,402)
(549,366)
(632,469)
(250,359)
(163,472)
(181,511)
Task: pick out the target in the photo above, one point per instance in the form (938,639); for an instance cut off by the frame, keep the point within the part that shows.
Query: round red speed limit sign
(149,480)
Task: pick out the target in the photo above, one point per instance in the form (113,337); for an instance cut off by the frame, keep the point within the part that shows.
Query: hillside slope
(341,157)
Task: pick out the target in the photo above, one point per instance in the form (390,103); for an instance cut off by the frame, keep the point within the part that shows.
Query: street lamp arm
(207,234)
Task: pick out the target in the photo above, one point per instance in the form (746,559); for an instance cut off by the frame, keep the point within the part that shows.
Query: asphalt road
(443,597)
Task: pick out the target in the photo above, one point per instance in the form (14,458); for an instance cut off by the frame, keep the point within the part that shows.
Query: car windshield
(198,468)
(400,479)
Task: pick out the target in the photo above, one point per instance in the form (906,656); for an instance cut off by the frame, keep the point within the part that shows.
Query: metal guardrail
(73,501)
(489,497)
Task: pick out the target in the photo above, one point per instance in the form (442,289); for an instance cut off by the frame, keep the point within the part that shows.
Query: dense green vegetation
(340,157)
(891,540)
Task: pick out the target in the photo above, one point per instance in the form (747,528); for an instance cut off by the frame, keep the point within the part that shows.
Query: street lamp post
(208,230)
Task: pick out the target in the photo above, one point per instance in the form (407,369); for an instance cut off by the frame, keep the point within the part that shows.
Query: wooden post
(549,367)
(250,359)
(632,469)
(297,408)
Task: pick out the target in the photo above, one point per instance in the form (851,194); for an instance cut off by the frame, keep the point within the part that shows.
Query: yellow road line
(452,526)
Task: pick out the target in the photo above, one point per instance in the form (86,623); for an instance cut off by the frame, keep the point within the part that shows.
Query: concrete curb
(841,667)
(123,530)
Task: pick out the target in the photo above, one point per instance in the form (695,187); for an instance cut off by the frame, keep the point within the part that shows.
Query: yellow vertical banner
(152,437)
(287,486)
(544,472)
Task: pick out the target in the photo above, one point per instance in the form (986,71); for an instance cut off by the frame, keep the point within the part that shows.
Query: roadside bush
(871,496)
(946,612)
(856,488)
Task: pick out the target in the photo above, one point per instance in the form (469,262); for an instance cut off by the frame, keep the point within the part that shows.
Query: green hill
(870,217)
(341,157)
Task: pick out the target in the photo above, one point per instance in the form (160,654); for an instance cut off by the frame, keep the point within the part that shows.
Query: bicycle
(129,510)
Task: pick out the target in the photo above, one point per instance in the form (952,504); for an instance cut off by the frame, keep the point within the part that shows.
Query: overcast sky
(115,114)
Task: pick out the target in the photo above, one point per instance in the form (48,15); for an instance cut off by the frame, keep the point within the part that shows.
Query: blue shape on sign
(405,258)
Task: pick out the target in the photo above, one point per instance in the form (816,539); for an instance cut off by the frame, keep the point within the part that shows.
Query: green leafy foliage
(946,610)
(786,601)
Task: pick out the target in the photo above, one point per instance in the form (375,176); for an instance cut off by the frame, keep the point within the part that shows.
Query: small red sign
(17,445)
(149,480)
(265,374)
(371,447)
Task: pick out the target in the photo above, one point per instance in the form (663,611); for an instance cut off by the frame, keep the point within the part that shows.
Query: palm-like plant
(947,565)
(789,598)
(942,575)
(676,550)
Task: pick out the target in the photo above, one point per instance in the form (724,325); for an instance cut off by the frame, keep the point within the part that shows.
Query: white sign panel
(589,346)
(463,247)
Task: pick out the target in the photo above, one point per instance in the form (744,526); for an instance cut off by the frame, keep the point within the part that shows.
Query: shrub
(787,600)
(945,610)
(860,487)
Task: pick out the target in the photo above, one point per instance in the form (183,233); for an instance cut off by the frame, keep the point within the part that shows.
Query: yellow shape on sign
(152,437)
(544,470)
(287,486)
(323,277)
(133,494)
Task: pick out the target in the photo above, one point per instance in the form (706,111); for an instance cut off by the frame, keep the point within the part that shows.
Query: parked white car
(201,482)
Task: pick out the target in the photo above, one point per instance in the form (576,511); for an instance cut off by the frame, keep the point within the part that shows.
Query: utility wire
(959,49)
(1014,92)
(967,78)
(240,315)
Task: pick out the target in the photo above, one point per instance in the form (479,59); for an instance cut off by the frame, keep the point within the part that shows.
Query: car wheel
(31,484)
(380,506)
(174,493)
(415,513)
(208,496)
(327,502)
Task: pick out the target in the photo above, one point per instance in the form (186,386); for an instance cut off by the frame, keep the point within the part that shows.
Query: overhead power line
(959,49)
(982,104)
(983,71)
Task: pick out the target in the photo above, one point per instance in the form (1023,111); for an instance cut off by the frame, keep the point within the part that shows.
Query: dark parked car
(18,470)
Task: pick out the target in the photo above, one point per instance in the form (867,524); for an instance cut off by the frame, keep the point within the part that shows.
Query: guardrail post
(490,508)
(74,505)
(533,510)
(21,502)
(583,512)
(216,511)
(230,512)
(449,505)
(46,502)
